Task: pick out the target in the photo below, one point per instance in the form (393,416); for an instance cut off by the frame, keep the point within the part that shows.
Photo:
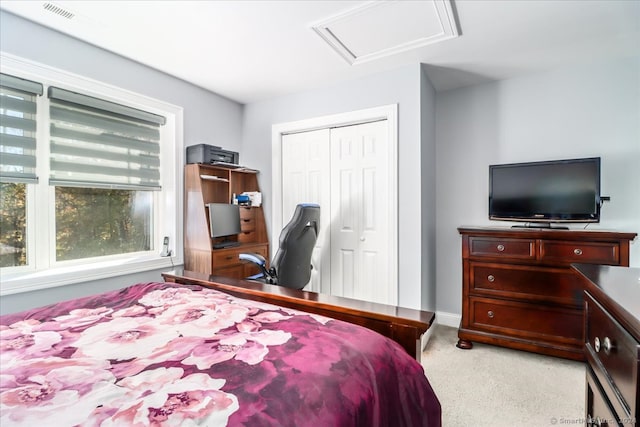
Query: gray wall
(401,86)
(208,118)
(428,192)
(574,112)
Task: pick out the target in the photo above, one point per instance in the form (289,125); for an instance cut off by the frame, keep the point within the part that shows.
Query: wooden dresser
(612,344)
(518,289)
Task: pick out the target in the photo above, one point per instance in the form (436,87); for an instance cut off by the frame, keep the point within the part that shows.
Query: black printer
(211,154)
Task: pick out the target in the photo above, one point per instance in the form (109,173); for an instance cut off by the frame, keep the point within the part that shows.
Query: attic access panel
(382,28)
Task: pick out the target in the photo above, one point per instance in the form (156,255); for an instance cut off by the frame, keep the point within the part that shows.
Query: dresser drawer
(611,346)
(598,409)
(260,250)
(235,271)
(581,252)
(231,256)
(247,213)
(503,248)
(247,219)
(247,236)
(226,257)
(523,320)
(247,216)
(560,286)
(247,225)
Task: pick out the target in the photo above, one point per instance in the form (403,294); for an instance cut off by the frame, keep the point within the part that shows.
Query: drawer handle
(500,248)
(490,314)
(606,344)
(491,278)
(577,251)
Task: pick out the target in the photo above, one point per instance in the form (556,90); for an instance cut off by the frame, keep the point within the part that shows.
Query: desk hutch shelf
(211,184)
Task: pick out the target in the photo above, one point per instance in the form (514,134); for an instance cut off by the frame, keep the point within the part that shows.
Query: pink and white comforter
(163,354)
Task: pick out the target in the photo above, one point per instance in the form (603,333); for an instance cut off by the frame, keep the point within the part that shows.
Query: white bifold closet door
(345,170)
(305,179)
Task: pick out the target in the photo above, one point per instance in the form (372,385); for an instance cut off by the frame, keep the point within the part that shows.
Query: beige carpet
(495,386)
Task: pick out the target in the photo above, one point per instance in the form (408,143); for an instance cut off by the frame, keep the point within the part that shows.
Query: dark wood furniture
(612,344)
(519,290)
(403,325)
(210,184)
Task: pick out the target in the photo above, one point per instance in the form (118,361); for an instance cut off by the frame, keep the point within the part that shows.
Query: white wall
(575,112)
(208,118)
(401,86)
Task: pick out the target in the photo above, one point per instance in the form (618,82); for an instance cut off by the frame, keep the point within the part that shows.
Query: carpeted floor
(495,386)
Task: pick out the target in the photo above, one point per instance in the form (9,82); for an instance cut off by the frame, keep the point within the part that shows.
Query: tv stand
(519,291)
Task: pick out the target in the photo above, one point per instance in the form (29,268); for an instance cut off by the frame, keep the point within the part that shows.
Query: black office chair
(291,266)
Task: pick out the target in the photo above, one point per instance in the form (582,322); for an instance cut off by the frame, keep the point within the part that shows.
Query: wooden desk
(611,344)
(403,325)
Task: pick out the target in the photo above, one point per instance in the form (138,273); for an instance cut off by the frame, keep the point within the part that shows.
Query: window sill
(31,281)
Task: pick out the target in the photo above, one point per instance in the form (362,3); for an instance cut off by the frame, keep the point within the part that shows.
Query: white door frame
(388,112)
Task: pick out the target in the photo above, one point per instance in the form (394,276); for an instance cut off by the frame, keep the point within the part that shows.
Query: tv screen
(550,191)
(224,219)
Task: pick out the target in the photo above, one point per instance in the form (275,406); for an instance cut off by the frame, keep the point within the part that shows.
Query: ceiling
(249,51)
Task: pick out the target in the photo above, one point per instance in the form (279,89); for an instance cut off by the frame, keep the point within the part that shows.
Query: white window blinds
(100,144)
(18,129)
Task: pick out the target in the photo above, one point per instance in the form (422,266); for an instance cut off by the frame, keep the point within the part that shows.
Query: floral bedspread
(160,354)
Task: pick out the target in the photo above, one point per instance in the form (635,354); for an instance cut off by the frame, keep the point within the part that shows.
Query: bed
(155,354)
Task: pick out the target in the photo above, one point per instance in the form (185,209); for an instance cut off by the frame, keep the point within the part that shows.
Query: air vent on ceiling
(53,8)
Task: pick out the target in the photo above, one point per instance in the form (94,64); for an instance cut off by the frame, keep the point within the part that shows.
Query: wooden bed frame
(403,325)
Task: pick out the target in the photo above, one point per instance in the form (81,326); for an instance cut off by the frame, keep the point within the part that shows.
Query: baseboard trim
(424,339)
(442,318)
(448,319)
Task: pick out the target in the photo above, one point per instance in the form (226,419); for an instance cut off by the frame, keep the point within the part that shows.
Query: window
(94,222)
(18,124)
(89,179)
(13,224)
(105,163)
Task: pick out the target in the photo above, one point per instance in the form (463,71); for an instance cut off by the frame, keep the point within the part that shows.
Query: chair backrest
(292,262)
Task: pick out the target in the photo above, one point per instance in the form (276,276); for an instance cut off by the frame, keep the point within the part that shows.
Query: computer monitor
(224,222)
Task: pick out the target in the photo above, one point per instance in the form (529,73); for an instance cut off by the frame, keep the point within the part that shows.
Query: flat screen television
(224,222)
(559,191)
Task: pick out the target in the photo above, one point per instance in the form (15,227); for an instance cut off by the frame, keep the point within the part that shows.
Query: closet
(348,170)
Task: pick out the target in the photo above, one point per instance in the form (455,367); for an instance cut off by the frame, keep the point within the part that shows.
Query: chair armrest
(267,275)
(254,258)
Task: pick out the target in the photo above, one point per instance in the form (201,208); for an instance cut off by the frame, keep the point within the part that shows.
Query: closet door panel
(359,202)
(305,179)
